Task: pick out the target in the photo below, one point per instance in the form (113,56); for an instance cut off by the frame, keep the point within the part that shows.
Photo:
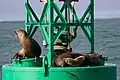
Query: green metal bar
(82,26)
(85,13)
(74,27)
(26,28)
(44,33)
(60,24)
(33,13)
(62,9)
(42,27)
(52,31)
(85,31)
(44,12)
(31,19)
(75,16)
(57,35)
(34,30)
(87,17)
(74,12)
(88,31)
(26,18)
(30,29)
(92,27)
(58,12)
(29,16)
(71,24)
(37,24)
(50,47)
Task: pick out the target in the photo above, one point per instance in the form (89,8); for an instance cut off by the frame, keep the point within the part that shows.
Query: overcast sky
(14,9)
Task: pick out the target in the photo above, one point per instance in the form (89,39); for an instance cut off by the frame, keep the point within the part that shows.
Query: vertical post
(92,27)
(67,20)
(49,44)
(27,18)
(69,46)
(50,21)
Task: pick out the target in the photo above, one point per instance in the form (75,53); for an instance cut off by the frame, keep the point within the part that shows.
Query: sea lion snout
(20,33)
(15,31)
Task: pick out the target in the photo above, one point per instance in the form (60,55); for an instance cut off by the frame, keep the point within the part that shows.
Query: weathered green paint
(107,72)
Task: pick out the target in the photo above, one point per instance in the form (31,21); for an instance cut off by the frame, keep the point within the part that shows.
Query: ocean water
(107,41)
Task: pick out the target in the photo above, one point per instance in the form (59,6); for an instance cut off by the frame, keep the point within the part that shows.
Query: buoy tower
(52,23)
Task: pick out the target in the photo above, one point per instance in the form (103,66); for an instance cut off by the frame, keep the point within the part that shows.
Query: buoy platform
(29,70)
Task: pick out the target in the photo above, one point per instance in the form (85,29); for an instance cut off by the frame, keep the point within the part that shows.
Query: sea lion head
(77,61)
(69,61)
(20,33)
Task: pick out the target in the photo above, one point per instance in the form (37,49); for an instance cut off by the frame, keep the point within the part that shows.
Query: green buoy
(51,30)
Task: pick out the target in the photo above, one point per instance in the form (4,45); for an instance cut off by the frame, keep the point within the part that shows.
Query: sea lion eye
(67,61)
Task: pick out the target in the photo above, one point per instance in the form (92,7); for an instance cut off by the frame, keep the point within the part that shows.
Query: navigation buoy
(58,21)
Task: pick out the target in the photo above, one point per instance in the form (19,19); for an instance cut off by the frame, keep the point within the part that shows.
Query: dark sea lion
(75,59)
(94,59)
(59,59)
(30,48)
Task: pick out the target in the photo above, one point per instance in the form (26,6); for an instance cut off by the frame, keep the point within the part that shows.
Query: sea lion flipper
(15,56)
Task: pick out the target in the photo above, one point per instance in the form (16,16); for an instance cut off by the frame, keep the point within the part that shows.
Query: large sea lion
(30,48)
(77,59)
(59,59)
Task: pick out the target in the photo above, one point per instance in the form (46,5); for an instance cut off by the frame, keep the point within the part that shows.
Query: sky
(12,10)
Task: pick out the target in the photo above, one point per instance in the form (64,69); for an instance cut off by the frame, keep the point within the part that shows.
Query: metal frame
(33,22)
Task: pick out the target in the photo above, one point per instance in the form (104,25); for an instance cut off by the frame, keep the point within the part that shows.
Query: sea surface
(107,40)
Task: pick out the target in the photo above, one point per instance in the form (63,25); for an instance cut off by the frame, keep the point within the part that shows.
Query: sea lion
(30,48)
(77,59)
(58,60)
(74,62)
(94,59)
